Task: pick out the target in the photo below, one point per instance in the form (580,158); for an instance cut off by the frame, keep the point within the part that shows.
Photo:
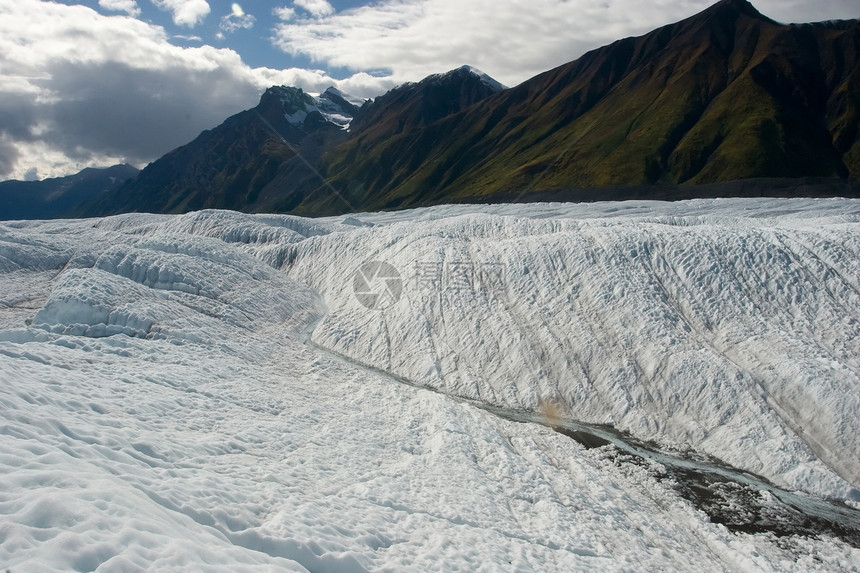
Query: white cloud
(185,12)
(130,7)
(78,89)
(508,39)
(284,13)
(806,11)
(316,8)
(511,42)
(236,19)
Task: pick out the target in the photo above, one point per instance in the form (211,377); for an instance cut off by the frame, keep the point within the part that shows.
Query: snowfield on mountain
(540,387)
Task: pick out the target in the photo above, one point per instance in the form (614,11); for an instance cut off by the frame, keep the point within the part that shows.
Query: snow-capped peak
(486,79)
(354,100)
(332,105)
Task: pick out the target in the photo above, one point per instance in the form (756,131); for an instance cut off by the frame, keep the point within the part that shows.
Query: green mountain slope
(727,94)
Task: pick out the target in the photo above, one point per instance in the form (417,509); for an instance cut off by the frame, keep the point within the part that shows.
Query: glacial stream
(741,501)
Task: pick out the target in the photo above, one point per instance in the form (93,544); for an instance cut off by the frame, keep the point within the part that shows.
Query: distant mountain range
(58,197)
(727,102)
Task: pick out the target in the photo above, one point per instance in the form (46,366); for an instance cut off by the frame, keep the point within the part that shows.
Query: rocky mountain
(245,162)
(385,148)
(267,158)
(59,196)
(725,95)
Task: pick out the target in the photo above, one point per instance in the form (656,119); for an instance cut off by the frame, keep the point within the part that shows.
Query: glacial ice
(206,392)
(731,333)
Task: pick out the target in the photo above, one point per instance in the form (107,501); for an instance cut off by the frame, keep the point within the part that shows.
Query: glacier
(208,392)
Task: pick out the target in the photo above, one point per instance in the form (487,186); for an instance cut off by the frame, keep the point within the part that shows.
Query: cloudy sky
(100,82)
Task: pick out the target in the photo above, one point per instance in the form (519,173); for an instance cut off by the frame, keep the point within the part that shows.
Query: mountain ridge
(725,95)
(57,196)
(570,93)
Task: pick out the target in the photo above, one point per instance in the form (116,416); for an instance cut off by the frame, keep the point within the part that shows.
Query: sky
(101,82)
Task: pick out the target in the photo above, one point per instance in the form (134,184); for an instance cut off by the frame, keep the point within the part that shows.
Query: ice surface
(727,327)
(162,409)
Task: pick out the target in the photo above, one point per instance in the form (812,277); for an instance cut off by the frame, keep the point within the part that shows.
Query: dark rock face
(248,163)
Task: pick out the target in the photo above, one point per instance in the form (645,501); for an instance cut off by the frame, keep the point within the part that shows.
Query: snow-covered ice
(206,392)
(727,326)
